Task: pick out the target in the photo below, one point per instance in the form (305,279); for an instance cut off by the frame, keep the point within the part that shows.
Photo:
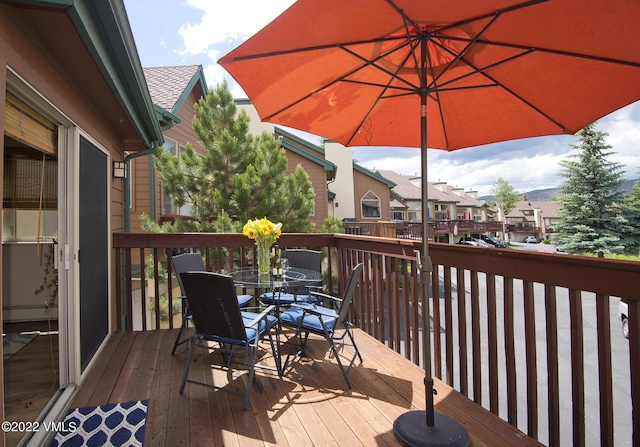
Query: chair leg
(191,342)
(252,367)
(185,322)
(332,345)
(353,343)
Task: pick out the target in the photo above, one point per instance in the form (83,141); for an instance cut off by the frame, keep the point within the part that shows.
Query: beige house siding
(318,178)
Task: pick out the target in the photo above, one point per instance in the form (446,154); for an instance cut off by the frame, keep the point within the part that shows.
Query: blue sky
(184,32)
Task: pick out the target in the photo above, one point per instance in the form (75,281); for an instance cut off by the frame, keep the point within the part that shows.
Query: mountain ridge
(550,194)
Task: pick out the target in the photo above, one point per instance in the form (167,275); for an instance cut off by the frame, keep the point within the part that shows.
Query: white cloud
(223,21)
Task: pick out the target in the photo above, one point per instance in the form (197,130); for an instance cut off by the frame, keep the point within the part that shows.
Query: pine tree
(590,214)
(239,177)
(631,212)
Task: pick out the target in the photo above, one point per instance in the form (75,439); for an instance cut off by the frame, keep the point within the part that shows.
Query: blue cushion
(285,299)
(247,317)
(244,300)
(311,322)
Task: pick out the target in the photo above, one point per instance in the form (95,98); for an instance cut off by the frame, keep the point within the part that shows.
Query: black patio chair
(192,262)
(217,317)
(332,324)
(310,260)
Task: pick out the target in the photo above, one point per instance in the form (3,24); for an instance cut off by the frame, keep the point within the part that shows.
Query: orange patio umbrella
(443,74)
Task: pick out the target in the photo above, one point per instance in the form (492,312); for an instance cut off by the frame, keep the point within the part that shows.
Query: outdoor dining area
(490,301)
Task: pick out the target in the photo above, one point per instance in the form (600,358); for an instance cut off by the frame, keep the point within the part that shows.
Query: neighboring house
(299,152)
(533,218)
(343,188)
(445,201)
(75,102)
(467,204)
(174,91)
(320,171)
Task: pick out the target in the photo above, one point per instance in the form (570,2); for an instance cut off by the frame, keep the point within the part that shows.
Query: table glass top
(294,277)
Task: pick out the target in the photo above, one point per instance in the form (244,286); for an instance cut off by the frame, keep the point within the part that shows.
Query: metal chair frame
(217,317)
(329,320)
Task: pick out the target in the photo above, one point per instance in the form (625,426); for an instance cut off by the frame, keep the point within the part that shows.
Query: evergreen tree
(505,198)
(239,177)
(590,214)
(631,212)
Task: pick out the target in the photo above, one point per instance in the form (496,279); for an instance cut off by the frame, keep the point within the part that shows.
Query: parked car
(623,310)
(475,242)
(496,242)
(530,240)
(467,242)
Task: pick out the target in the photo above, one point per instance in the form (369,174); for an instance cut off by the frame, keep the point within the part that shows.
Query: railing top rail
(604,276)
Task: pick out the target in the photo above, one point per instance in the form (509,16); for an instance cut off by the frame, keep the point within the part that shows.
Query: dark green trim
(279,130)
(168,118)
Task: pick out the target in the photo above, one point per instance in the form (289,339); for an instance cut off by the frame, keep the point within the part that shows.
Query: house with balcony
(532,218)
(455,212)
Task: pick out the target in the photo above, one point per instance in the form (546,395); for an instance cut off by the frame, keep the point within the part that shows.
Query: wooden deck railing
(527,335)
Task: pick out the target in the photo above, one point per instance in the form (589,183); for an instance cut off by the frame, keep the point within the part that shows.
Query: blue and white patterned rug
(120,424)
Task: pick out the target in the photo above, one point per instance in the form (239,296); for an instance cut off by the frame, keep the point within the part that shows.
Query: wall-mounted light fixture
(119,169)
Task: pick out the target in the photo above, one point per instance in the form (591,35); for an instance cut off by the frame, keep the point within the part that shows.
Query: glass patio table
(294,279)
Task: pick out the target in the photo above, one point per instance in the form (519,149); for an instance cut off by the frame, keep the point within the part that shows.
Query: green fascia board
(299,140)
(104,28)
(373,175)
(198,77)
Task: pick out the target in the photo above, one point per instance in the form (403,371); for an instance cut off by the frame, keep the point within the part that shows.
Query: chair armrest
(315,310)
(322,296)
(261,317)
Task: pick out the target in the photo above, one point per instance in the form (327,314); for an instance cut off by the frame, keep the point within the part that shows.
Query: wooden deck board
(310,405)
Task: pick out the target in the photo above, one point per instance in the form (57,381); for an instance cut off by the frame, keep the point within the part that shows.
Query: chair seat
(244,300)
(247,317)
(285,299)
(310,322)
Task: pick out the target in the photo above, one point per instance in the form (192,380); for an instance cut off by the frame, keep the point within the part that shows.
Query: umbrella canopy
(493,70)
(445,74)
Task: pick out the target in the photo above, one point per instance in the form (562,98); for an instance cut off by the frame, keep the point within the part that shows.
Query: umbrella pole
(427,428)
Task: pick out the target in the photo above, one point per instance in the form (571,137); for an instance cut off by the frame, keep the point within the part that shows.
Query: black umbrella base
(411,429)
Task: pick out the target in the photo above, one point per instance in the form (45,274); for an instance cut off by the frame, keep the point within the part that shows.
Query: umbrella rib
(328,46)
(550,51)
(372,63)
(428,59)
(460,55)
(482,70)
(343,79)
(384,89)
(519,98)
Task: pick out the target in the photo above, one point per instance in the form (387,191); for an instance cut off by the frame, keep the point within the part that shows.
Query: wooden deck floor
(311,405)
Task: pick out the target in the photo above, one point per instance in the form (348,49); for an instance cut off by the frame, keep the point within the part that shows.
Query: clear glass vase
(264,261)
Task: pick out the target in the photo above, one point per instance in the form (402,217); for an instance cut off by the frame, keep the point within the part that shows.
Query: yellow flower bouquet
(265,233)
